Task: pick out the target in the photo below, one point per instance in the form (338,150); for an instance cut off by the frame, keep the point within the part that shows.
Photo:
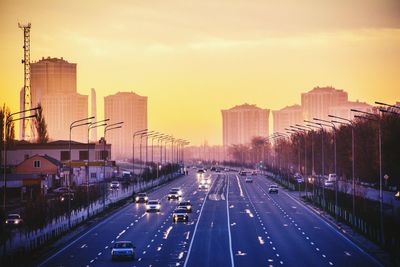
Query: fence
(21,242)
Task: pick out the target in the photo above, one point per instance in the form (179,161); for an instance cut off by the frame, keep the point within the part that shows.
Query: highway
(232,224)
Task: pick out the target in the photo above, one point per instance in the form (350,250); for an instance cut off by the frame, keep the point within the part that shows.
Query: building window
(64,155)
(83,155)
(36,163)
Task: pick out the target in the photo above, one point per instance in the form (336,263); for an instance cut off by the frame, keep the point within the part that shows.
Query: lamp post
(332,125)
(133,149)
(82,122)
(110,127)
(306,129)
(322,154)
(378,120)
(157,136)
(351,125)
(91,125)
(9,120)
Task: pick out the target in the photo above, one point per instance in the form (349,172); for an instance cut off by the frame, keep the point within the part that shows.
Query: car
(178,190)
(14,219)
(242,173)
(328,183)
(174,194)
(217,169)
(186,205)
(248,179)
(213,169)
(273,188)
(61,190)
(180,215)
(123,250)
(141,198)
(254,173)
(114,185)
(153,205)
(65,196)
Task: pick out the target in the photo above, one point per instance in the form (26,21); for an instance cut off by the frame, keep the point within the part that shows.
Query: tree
(41,126)
(9,132)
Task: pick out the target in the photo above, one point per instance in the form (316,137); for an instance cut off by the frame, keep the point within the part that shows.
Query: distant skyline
(192,59)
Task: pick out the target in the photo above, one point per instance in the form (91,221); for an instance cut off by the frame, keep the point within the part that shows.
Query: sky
(194,58)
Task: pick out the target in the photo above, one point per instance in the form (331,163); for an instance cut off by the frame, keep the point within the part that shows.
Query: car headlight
(62,199)
(158,206)
(136,198)
(16,221)
(146,198)
(188,207)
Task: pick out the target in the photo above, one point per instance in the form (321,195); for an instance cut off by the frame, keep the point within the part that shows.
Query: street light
(91,125)
(350,124)
(133,148)
(9,120)
(110,127)
(71,126)
(377,119)
(334,162)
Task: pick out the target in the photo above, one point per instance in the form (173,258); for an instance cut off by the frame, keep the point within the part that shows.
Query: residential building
(130,108)
(53,84)
(93,113)
(289,115)
(242,123)
(344,110)
(318,102)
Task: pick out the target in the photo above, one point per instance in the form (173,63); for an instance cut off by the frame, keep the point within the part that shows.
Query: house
(44,166)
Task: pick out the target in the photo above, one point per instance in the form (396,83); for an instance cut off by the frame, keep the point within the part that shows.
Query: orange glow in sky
(194,58)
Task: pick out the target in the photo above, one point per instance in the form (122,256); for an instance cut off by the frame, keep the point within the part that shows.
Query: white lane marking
(84,246)
(240,253)
(229,223)
(159,248)
(166,233)
(180,256)
(249,213)
(195,227)
(240,186)
(314,213)
(261,240)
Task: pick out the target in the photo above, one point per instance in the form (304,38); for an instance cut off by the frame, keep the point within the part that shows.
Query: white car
(14,220)
(114,185)
(178,190)
(248,179)
(273,188)
(153,205)
(123,250)
(204,186)
(180,215)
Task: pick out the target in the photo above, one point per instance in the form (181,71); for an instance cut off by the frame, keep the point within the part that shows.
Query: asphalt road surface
(232,224)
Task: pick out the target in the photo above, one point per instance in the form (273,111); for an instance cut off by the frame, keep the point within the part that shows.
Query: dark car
(141,198)
(180,215)
(186,205)
(66,196)
(123,250)
(14,220)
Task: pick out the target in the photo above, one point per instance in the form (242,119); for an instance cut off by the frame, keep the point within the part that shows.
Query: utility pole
(27,129)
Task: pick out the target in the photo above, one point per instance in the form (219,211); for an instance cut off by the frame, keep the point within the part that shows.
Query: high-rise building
(242,123)
(287,116)
(93,136)
(318,102)
(53,84)
(344,110)
(130,108)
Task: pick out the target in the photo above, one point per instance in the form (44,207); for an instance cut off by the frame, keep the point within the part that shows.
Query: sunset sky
(194,58)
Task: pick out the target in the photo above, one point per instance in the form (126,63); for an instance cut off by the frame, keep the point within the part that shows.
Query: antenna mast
(26,124)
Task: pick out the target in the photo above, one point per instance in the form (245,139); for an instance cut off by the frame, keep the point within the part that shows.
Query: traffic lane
(210,244)
(97,237)
(289,247)
(146,234)
(249,241)
(319,232)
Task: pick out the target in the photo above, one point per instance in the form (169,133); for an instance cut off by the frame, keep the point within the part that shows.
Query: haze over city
(193,59)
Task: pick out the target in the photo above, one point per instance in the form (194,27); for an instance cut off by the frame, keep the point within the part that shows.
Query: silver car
(123,250)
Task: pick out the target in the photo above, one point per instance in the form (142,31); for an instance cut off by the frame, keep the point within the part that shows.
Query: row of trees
(302,151)
(8,136)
